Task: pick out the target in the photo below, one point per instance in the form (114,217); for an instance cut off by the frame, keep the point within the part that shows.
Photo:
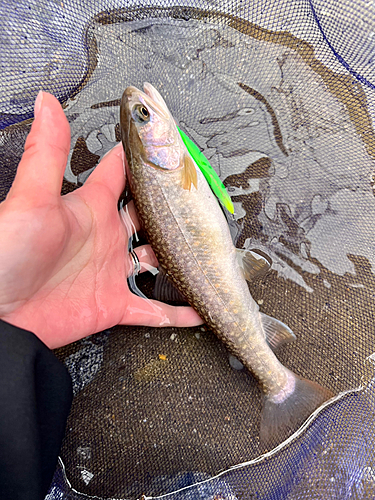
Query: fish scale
(190,236)
(198,255)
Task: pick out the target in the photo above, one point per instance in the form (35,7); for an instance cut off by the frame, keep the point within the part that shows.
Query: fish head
(149,132)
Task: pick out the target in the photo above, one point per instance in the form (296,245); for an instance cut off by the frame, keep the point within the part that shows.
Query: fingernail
(116,149)
(38,103)
(119,149)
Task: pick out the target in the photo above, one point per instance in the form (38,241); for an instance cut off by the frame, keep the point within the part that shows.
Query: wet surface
(292,140)
(201,414)
(276,109)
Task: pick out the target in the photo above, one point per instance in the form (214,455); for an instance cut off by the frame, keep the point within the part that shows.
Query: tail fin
(279,419)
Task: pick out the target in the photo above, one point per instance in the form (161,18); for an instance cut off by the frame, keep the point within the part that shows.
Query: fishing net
(279,96)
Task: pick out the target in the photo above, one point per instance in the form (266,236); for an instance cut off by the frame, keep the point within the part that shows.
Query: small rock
(84,452)
(86,476)
(235,363)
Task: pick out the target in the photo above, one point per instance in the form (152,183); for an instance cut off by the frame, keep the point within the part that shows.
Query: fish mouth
(150,98)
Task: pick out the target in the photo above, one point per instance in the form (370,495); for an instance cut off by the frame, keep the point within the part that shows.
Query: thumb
(41,169)
(110,171)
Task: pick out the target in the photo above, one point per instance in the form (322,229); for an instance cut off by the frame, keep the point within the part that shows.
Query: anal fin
(277,332)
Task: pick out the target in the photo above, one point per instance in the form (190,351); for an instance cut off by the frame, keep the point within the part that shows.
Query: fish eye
(141,113)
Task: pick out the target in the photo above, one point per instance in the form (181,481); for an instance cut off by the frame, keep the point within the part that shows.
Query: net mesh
(280,98)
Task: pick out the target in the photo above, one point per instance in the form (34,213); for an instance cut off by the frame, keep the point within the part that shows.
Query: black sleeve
(35,399)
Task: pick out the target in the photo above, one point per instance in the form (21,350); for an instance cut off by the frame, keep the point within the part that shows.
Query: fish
(189,234)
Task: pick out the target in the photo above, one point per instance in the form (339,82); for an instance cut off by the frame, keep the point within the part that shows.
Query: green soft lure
(211,176)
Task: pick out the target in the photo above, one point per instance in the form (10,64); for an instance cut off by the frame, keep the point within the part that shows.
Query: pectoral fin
(253,264)
(188,173)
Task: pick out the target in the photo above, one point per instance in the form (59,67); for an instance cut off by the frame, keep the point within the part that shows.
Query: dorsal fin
(188,173)
(165,290)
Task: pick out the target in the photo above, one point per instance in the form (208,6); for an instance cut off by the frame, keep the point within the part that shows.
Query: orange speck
(163,357)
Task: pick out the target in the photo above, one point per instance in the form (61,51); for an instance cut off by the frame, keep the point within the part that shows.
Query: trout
(189,234)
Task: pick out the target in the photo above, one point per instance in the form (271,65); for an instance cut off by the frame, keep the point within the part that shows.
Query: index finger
(147,312)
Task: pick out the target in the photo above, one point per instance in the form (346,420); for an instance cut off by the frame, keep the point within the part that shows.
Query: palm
(85,284)
(65,261)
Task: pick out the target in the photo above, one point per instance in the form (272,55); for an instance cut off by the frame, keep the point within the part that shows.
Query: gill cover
(189,174)
(153,134)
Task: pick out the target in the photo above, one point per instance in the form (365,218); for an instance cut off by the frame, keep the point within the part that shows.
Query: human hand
(64,261)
